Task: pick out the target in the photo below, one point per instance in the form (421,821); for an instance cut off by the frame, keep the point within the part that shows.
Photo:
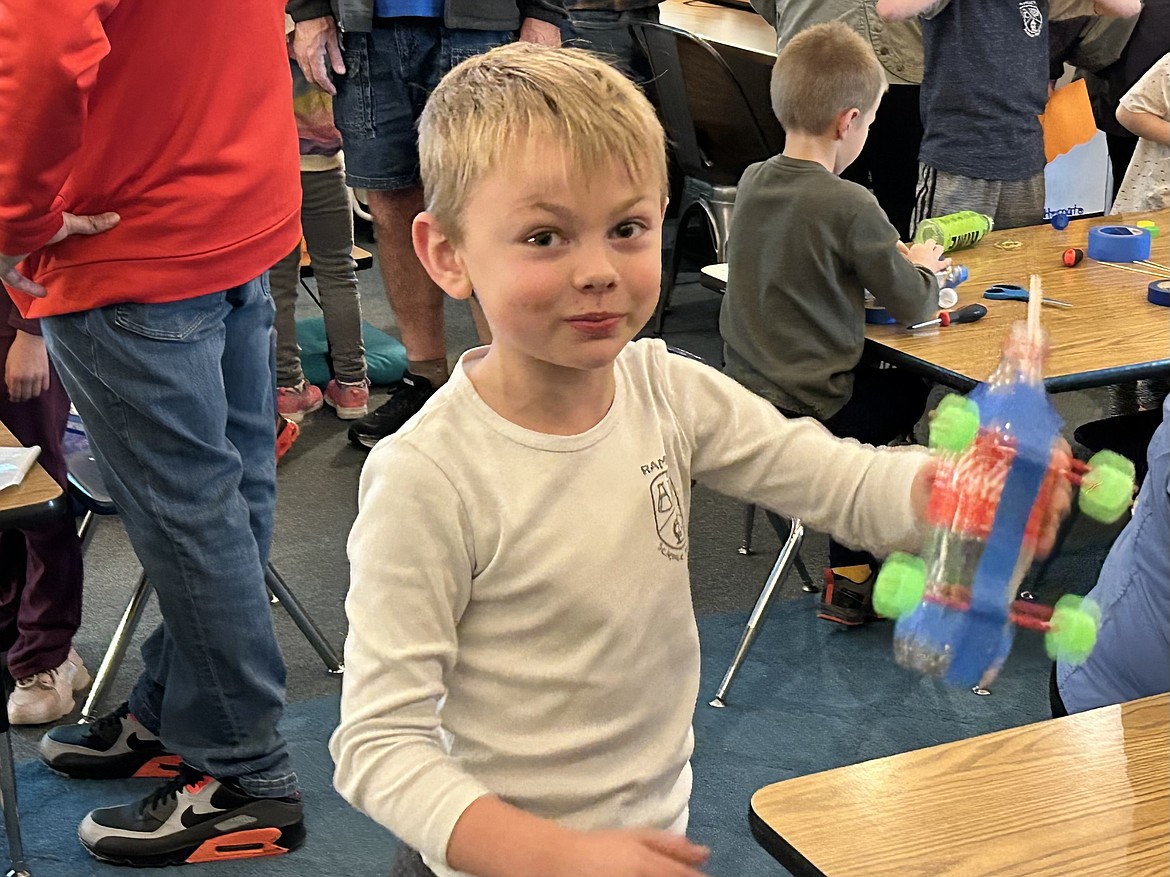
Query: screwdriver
(965,314)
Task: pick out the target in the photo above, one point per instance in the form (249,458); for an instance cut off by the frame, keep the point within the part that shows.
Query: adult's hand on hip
(533,30)
(314,42)
(70,225)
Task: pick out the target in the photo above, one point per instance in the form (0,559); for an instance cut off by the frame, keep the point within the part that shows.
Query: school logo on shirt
(1033,18)
(668,511)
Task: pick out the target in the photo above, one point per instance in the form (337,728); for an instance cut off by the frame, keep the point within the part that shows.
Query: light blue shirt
(1132,655)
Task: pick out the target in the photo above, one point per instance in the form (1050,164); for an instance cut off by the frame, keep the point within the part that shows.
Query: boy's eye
(542,238)
(630,229)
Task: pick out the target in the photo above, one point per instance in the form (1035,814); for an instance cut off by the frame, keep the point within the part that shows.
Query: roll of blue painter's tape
(878,317)
(1159,293)
(1119,243)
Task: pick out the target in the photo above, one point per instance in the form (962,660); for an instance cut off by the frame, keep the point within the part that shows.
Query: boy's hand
(928,254)
(26,371)
(1059,505)
(631,853)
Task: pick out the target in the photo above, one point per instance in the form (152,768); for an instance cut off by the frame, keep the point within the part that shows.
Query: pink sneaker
(295,402)
(350,401)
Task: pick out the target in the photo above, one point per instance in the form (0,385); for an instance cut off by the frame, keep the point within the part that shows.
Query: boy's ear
(440,257)
(845,120)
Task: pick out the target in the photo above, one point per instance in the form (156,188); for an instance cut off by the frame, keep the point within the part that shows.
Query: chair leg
(112,659)
(17,866)
(684,216)
(749,521)
(783,528)
(300,617)
(788,553)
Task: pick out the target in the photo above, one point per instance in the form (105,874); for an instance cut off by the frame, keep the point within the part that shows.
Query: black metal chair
(88,491)
(716,129)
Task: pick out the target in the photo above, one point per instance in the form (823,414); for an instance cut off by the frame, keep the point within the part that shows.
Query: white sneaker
(47,696)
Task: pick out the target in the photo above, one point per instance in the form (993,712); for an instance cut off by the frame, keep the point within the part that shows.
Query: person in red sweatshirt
(148,178)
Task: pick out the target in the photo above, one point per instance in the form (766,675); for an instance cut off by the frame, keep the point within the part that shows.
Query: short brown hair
(825,70)
(487,104)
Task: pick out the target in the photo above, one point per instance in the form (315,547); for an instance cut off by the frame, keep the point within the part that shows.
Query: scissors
(1011,292)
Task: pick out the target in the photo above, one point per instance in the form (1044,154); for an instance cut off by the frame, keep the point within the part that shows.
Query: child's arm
(1145,125)
(869,498)
(1145,108)
(900,278)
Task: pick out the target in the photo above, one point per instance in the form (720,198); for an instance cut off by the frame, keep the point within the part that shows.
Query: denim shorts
(389,74)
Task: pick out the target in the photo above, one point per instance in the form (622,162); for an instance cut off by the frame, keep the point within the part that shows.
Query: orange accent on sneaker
(286,434)
(197,786)
(159,767)
(239,845)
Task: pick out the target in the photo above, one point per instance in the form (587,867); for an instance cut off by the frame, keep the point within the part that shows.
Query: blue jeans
(178,402)
(389,73)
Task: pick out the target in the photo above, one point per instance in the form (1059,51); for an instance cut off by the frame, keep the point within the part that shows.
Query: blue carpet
(810,697)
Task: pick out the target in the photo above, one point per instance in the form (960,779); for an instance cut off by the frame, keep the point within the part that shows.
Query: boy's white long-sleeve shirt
(520,611)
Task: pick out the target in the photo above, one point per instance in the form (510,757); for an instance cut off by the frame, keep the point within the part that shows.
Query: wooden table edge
(789,857)
(778,848)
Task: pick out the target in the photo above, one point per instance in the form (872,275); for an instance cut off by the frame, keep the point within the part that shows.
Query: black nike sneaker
(406,398)
(193,818)
(848,595)
(116,746)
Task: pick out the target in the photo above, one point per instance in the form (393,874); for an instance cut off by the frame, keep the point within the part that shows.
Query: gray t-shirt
(804,246)
(985,82)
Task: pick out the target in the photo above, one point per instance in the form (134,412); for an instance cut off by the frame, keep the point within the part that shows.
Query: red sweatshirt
(177,115)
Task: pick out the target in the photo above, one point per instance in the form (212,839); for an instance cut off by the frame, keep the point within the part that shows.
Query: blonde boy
(523,661)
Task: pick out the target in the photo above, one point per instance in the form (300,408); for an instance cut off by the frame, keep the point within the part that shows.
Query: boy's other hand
(631,853)
(928,254)
(314,42)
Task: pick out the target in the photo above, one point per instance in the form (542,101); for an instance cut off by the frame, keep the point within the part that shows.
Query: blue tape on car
(1159,293)
(1119,243)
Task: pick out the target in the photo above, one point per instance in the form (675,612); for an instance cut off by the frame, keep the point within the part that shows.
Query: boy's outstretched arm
(495,839)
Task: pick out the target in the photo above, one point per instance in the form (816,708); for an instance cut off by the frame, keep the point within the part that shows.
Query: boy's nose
(595,272)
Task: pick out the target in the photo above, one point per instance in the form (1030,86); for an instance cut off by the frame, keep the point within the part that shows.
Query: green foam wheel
(1107,488)
(954,424)
(1073,630)
(900,585)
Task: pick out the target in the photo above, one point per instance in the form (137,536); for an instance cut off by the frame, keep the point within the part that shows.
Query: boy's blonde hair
(486,106)
(824,71)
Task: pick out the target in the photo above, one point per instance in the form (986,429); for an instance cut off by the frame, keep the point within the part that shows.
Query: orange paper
(1067,120)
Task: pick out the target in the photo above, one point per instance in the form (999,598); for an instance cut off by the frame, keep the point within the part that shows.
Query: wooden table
(740,28)
(36,500)
(1111,335)
(1084,795)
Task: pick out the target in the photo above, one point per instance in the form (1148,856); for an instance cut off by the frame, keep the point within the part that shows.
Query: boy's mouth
(596,323)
